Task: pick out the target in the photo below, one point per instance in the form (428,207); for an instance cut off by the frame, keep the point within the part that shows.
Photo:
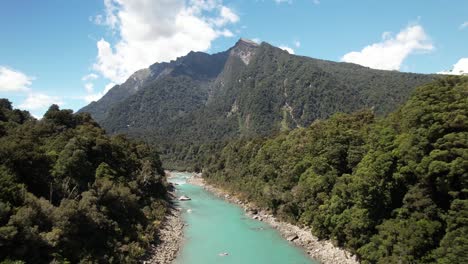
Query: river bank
(321,250)
(170,238)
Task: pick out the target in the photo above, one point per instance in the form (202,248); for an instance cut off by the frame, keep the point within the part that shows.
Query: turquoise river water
(215,226)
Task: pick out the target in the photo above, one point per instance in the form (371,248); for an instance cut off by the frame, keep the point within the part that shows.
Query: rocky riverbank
(170,239)
(321,250)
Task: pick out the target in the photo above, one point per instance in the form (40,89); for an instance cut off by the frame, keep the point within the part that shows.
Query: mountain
(249,90)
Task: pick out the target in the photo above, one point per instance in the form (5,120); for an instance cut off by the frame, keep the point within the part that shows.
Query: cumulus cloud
(288,49)
(90,77)
(14,81)
(37,101)
(459,68)
(89,87)
(153,31)
(91,94)
(226,16)
(90,97)
(109,18)
(390,53)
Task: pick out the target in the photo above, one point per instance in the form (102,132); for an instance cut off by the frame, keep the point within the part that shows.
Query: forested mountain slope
(392,190)
(71,194)
(247,91)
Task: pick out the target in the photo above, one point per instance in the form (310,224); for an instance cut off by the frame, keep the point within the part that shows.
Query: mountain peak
(246,42)
(244,49)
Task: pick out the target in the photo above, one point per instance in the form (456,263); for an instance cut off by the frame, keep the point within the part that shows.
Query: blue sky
(70,52)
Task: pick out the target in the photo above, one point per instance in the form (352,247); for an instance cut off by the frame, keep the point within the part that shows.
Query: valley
(302,161)
(233,132)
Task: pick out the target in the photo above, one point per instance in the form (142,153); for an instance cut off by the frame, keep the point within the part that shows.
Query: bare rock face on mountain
(245,50)
(249,90)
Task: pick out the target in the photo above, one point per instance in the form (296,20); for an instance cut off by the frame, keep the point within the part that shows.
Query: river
(219,232)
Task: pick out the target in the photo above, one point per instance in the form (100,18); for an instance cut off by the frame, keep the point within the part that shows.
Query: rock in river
(184,198)
(292,238)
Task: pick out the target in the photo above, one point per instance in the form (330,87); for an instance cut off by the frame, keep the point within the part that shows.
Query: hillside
(392,190)
(69,193)
(249,90)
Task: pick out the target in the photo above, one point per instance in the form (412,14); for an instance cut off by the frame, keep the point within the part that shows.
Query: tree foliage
(70,193)
(392,190)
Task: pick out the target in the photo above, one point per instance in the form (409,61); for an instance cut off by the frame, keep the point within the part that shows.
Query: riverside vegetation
(71,194)
(391,190)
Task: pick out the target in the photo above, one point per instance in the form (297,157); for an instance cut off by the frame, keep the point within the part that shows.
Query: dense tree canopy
(70,193)
(392,190)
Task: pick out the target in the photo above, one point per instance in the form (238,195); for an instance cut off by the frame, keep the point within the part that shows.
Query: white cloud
(288,49)
(459,68)
(154,31)
(297,44)
(226,16)
(14,81)
(91,95)
(390,53)
(37,101)
(226,33)
(257,40)
(98,20)
(89,77)
(109,19)
(96,96)
(89,87)
(463,25)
